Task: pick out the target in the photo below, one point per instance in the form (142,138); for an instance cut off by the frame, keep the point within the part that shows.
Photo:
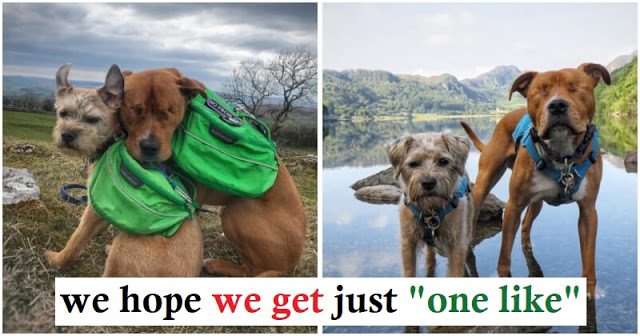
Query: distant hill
(369,93)
(45,87)
(499,78)
(621,61)
(42,87)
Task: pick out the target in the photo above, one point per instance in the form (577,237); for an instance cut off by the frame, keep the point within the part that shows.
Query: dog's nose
(558,106)
(149,147)
(68,137)
(428,183)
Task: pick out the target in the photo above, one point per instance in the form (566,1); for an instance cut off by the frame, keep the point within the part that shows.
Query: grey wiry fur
(441,157)
(89,114)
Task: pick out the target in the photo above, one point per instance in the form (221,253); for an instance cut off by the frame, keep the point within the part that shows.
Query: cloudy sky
(205,41)
(468,39)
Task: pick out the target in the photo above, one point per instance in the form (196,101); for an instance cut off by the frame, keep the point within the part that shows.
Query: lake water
(362,240)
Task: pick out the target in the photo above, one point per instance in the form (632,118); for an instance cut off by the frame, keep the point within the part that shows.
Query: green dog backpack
(136,199)
(225,149)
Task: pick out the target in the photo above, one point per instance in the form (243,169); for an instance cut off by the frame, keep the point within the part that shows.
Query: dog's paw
(54,259)
(206,262)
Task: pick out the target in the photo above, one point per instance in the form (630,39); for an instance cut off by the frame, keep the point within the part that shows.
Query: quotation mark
(575,291)
(413,291)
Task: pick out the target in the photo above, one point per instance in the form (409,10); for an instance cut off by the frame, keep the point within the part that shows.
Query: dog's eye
(572,88)
(414,164)
(443,162)
(92,120)
(543,92)
(64,114)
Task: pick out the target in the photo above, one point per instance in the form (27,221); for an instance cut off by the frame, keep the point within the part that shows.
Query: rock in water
(381,194)
(18,185)
(631,161)
(384,177)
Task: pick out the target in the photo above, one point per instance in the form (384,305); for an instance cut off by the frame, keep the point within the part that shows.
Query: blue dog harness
(431,220)
(569,178)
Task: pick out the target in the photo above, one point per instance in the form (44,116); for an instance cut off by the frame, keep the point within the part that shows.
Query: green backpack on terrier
(225,149)
(139,200)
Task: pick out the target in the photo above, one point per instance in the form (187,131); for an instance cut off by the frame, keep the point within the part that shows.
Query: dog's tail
(476,141)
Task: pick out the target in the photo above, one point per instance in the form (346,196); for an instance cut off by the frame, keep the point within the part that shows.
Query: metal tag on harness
(568,178)
(431,220)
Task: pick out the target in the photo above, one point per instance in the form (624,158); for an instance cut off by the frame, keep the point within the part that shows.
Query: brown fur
(129,255)
(421,156)
(528,187)
(269,231)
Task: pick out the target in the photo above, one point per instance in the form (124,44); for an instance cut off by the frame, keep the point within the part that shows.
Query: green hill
(371,93)
(617,110)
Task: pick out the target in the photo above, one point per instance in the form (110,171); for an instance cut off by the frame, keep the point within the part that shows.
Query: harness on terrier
(571,176)
(432,219)
(64,191)
(224,148)
(143,200)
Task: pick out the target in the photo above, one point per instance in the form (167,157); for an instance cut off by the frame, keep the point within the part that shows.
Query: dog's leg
(533,210)
(587,228)
(90,225)
(271,274)
(491,167)
(430,260)
(510,225)
(457,258)
(409,256)
(225,268)
(471,264)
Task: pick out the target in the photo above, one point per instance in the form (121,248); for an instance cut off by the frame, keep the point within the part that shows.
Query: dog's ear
(127,73)
(458,147)
(112,92)
(521,84)
(597,72)
(62,83)
(190,88)
(397,150)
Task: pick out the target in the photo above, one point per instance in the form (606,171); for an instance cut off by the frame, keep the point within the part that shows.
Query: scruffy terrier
(435,208)
(87,124)
(87,119)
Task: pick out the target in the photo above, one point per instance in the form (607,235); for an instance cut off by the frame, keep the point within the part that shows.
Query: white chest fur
(544,188)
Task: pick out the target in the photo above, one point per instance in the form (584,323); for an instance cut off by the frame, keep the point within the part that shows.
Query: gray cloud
(203,40)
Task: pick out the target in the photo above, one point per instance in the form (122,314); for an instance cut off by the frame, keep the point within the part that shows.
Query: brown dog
(87,121)
(269,231)
(561,105)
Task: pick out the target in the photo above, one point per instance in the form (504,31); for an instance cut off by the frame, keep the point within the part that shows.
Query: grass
(27,125)
(31,227)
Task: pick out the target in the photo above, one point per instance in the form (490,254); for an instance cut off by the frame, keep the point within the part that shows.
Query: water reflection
(362,239)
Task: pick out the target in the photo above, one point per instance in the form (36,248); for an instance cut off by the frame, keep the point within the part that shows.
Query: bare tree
(295,73)
(291,75)
(28,100)
(250,86)
(47,104)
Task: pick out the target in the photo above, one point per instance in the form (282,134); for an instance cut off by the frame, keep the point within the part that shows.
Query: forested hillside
(371,93)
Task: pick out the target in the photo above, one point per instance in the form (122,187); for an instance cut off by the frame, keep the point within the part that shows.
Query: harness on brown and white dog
(571,175)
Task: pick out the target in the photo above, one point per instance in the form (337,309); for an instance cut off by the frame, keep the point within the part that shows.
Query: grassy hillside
(26,125)
(617,110)
(29,228)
